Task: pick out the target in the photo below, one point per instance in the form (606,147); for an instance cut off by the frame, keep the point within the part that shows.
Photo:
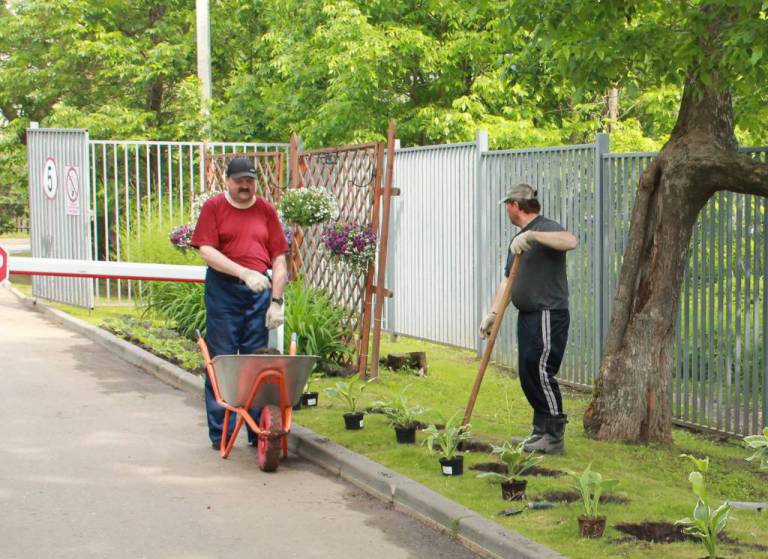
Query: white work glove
(487,324)
(255,281)
(275,316)
(522,243)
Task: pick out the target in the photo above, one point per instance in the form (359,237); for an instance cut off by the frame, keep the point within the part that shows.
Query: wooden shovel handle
(492,340)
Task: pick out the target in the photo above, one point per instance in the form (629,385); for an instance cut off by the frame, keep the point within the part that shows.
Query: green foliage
(307,206)
(399,411)
(445,442)
(348,392)
(759,443)
(160,341)
(706,523)
(320,325)
(591,486)
(181,304)
(517,460)
(13,177)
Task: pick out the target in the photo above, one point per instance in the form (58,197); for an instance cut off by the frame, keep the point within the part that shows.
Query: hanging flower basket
(353,244)
(307,206)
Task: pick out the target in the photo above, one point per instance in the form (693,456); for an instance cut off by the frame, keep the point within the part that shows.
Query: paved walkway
(98,459)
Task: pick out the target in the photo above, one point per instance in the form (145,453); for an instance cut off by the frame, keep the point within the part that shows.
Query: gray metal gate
(59,209)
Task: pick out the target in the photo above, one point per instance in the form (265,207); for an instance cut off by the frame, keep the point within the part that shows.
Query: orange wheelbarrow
(273,383)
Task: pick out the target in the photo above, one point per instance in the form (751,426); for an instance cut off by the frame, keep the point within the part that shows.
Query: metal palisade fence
(136,184)
(89,198)
(450,242)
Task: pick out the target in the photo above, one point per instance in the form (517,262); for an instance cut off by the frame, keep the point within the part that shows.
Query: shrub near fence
(451,238)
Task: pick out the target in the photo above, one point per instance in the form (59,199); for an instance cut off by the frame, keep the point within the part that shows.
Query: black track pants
(541,340)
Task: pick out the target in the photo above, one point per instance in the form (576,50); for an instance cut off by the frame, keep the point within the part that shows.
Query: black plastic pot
(309,399)
(353,420)
(405,435)
(513,490)
(591,527)
(297,406)
(452,466)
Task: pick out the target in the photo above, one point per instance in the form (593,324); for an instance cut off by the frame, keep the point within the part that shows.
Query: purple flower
(355,244)
(181,236)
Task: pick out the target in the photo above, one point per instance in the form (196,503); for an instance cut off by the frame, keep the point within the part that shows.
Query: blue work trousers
(236,324)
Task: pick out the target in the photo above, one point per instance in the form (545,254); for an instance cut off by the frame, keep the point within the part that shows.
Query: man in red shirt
(240,237)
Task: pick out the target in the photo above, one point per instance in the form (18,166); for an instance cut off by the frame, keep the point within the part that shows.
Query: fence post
(602,207)
(481,146)
(394,234)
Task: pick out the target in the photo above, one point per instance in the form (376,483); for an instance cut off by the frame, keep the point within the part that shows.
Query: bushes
(320,324)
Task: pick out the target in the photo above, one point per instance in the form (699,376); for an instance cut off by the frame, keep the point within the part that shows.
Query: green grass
(654,478)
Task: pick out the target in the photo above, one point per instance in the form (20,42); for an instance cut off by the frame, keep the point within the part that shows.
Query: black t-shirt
(541,282)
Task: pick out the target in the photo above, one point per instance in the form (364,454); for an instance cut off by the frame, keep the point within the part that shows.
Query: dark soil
(658,532)
(475,445)
(496,467)
(500,468)
(544,472)
(573,496)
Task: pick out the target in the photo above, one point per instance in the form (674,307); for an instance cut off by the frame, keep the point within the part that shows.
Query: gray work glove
(255,281)
(275,316)
(487,324)
(522,243)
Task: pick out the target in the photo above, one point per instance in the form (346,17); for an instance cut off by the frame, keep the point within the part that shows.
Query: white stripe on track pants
(541,341)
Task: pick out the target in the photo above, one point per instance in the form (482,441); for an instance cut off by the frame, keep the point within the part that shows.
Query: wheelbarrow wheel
(269,446)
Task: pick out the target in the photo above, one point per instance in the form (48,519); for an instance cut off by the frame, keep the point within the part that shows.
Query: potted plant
(706,523)
(518,464)
(402,416)
(446,442)
(591,486)
(353,244)
(309,398)
(349,392)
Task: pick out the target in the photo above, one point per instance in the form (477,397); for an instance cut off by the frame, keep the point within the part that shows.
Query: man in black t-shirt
(540,294)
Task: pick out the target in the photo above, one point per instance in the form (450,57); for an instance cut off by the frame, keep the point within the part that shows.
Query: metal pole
(480,219)
(202,11)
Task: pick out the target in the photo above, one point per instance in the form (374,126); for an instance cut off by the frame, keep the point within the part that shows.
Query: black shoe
(216,445)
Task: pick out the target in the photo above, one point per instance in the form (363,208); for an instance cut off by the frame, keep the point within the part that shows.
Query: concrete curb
(474,531)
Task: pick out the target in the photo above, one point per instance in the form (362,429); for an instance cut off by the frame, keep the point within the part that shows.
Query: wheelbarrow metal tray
(237,373)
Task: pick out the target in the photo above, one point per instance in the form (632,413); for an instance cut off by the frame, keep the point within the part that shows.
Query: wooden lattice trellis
(269,168)
(354,175)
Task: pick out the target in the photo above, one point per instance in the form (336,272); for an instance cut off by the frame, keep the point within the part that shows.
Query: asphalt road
(99,459)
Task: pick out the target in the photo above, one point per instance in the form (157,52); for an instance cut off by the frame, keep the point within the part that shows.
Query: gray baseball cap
(519,192)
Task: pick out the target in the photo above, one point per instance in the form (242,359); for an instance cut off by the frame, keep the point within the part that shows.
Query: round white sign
(50,178)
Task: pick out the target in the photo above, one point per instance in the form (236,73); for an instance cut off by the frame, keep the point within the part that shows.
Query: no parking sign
(72,186)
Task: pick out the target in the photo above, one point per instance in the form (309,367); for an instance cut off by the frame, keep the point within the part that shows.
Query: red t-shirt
(252,237)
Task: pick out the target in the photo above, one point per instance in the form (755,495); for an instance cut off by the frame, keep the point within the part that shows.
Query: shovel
(492,340)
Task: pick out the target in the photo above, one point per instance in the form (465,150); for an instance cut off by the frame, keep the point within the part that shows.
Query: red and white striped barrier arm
(97,269)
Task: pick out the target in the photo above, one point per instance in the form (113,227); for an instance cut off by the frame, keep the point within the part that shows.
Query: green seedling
(760,445)
(518,462)
(706,523)
(348,393)
(591,487)
(446,442)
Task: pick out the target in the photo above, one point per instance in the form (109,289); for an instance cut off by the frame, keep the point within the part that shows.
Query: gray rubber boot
(539,427)
(553,440)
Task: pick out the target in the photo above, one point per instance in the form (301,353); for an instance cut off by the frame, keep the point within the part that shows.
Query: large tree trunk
(632,396)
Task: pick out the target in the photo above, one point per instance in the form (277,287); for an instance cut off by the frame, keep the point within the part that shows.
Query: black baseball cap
(241,167)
